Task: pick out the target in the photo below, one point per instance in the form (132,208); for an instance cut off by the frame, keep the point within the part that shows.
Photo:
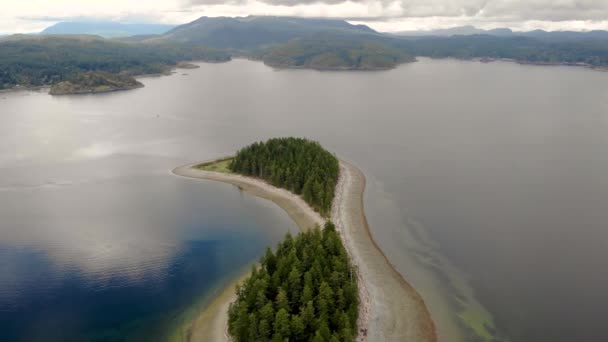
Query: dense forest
(588,51)
(299,165)
(335,53)
(45,60)
(376,52)
(94,82)
(307,291)
(337,44)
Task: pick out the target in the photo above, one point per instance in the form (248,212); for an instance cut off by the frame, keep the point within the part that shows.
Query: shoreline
(397,311)
(389,309)
(172,70)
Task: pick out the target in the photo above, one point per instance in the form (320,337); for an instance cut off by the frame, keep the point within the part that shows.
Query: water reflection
(480,177)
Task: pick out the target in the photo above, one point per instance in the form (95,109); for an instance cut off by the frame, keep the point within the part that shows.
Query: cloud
(23,16)
(503,10)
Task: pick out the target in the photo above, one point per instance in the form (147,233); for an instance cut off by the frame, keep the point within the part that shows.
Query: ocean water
(487,189)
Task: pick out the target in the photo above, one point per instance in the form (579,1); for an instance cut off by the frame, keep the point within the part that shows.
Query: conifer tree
(301,292)
(296,164)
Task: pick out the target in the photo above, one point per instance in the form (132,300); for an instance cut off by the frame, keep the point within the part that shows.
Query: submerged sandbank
(390,308)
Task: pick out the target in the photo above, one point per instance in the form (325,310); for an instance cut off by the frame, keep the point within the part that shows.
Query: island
(331,53)
(95,82)
(387,306)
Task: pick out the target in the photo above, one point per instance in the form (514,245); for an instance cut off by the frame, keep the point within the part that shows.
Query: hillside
(107,29)
(554,36)
(590,52)
(45,60)
(255,31)
(454,31)
(335,54)
(327,44)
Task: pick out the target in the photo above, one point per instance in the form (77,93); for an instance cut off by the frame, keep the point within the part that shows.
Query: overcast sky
(22,16)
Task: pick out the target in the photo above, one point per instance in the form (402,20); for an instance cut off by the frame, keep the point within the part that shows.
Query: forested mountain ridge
(506,32)
(107,29)
(591,52)
(32,61)
(329,44)
(306,291)
(282,42)
(255,31)
(298,165)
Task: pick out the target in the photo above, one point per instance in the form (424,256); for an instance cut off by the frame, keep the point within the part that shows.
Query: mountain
(566,35)
(456,31)
(506,32)
(256,31)
(107,29)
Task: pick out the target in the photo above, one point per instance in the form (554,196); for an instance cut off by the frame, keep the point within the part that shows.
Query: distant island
(106,29)
(322,285)
(94,82)
(335,54)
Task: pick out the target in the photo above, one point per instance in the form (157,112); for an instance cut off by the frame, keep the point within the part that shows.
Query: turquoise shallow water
(487,189)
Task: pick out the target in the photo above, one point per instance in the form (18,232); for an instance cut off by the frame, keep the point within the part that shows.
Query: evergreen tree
(303,292)
(296,164)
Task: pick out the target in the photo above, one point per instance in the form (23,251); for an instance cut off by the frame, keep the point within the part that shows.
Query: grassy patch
(220,165)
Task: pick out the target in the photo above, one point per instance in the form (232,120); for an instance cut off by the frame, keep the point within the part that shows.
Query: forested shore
(299,165)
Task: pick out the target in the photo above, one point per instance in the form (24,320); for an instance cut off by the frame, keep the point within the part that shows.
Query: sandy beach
(390,310)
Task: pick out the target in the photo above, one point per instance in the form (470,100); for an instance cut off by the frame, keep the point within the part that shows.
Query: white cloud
(385,15)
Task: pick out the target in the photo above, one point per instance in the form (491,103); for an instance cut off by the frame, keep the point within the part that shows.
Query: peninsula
(389,307)
(95,82)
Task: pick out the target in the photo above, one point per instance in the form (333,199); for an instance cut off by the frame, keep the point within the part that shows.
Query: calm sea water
(487,189)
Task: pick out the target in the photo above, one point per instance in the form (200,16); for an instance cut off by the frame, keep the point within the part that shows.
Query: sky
(26,16)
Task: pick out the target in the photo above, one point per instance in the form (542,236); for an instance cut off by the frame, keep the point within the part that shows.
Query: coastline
(396,311)
(390,308)
(172,70)
(299,211)
(211,325)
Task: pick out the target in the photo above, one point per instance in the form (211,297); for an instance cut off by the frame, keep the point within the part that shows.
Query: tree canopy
(299,165)
(305,291)
(335,52)
(46,60)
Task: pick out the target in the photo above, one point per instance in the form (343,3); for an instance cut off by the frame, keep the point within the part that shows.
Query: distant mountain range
(254,31)
(107,29)
(66,50)
(460,30)
(505,32)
